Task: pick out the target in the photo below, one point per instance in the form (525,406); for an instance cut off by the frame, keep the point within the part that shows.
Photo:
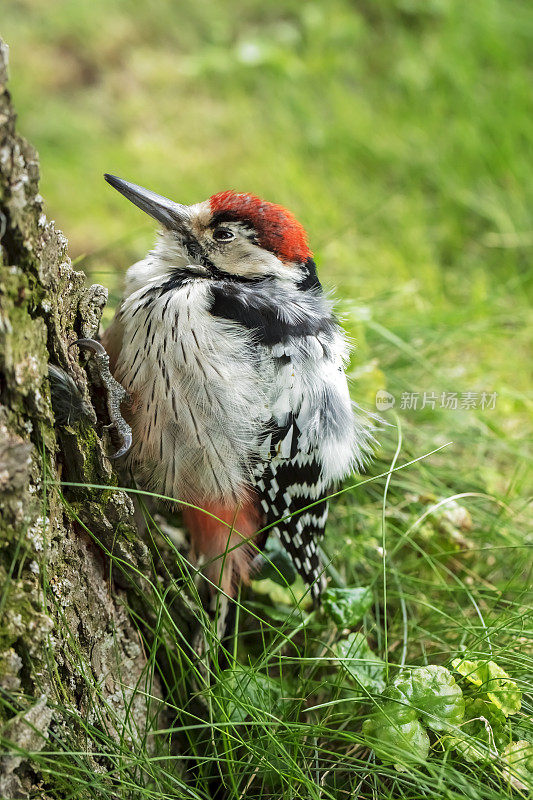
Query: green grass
(399,132)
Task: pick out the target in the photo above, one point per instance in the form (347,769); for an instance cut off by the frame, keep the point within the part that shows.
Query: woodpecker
(235,367)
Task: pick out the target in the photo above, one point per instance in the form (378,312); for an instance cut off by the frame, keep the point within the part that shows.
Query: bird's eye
(223,234)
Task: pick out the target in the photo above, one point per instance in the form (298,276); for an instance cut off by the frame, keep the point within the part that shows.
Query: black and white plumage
(235,365)
(285,486)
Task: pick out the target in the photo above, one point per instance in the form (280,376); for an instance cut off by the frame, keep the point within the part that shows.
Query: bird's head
(230,235)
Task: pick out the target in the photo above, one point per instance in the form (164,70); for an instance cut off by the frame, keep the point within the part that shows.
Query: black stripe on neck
(260,312)
(310,278)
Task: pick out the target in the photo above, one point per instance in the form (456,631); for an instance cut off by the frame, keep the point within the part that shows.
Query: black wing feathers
(285,486)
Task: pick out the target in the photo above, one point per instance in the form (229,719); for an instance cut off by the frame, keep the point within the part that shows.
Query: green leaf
(477,710)
(242,690)
(494,682)
(424,696)
(483,732)
(472,748)
(346,607)
(403,710)
(396,742)
(518,760)
(276,564)
(360,662)
(283,600)
(433,692)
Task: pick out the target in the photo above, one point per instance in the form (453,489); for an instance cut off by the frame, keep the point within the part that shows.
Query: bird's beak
(171,215)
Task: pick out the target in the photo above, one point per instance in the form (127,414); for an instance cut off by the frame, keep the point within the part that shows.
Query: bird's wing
(284,487)
(309,444)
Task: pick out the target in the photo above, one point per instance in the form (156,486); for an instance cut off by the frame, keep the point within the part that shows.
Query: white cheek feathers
(243,257)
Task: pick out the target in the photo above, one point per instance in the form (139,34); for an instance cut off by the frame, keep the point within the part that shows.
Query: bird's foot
(116,394)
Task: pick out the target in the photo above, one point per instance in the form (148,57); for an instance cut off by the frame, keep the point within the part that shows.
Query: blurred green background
(398,131)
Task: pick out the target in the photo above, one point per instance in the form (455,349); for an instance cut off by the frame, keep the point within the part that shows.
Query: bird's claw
(91,344)
(116,394)
(127,441)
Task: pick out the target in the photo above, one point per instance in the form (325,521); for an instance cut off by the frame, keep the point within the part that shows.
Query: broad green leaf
(471,670)
(478,710)
(424,696)
(502,691)
(403,709)
(242,690)
(493,681)
(518,760)
(361,662)
(433,692)
(395,742)
(283,598)
(472,748)
(346,607)
(482,734)
(276,564)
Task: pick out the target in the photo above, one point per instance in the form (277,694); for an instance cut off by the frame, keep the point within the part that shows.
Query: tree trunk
(70,658)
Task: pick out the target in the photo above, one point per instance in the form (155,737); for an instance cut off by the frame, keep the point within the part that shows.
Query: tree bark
(64,624)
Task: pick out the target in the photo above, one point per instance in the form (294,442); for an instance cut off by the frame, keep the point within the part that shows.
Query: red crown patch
(277,229)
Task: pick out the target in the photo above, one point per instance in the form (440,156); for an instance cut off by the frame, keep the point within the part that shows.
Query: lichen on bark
(64,627)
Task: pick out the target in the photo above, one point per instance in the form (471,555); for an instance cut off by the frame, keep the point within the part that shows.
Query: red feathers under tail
(224,543)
